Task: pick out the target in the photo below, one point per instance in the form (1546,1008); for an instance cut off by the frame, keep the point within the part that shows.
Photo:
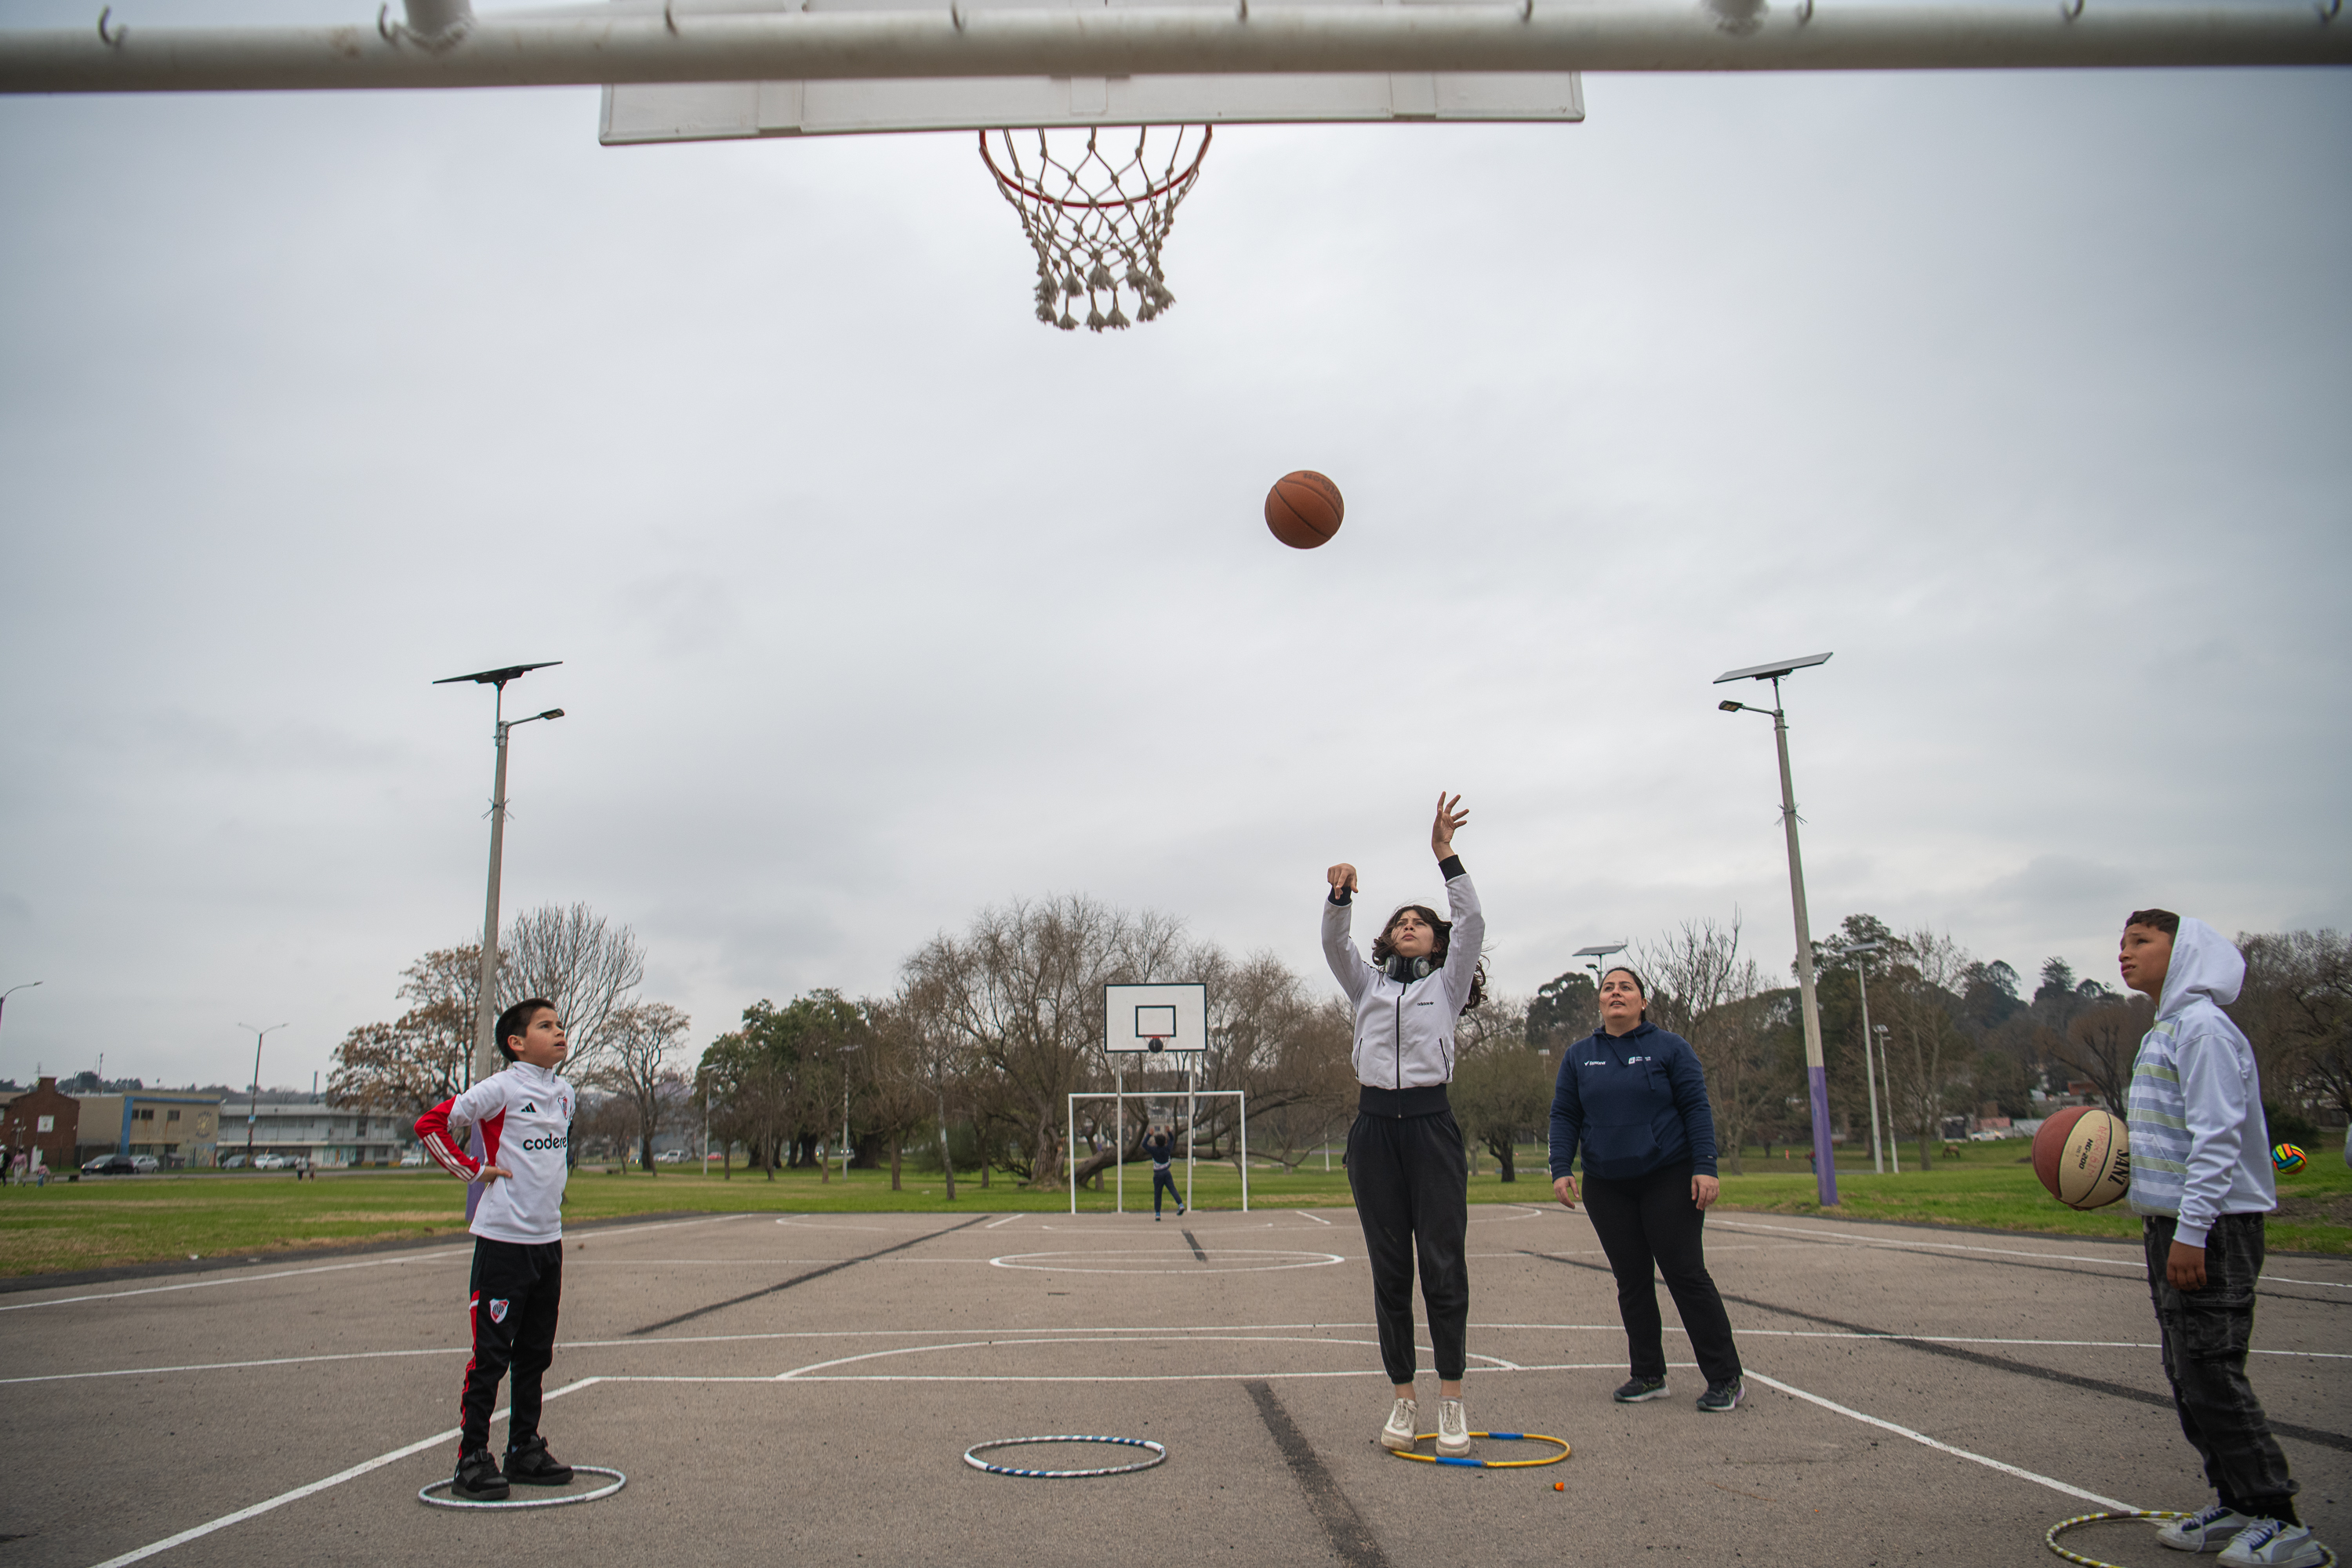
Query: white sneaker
(1454,1430)
(2207,1529)
(1404,1426)
(2267,1543)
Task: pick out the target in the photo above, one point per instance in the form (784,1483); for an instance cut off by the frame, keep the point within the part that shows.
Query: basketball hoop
(1088,214)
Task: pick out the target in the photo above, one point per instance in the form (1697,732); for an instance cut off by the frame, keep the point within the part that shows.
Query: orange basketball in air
(1304,509)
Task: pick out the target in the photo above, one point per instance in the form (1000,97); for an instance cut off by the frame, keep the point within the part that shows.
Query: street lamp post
(844,1111)
(1886,1069)
(253,1112)
(486,1004)
(1593,956)
(1816,1072)
(13,989)
(1869,1073)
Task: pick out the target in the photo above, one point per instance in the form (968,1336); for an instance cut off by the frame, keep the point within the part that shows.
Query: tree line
(965,1065)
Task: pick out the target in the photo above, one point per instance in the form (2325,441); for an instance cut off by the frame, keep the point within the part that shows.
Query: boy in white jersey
(523,1116)
(2200,1178)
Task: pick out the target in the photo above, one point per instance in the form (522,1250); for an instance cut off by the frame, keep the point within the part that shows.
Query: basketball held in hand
(1304,509)
(2084,1156)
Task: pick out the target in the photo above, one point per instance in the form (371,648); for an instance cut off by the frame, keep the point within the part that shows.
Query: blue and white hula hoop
(437,1494)
(972,1456)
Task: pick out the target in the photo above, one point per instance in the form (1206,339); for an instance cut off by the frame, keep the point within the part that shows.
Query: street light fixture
(13,989)
(1869,1073)
(1593,956)
(253,1112)
(1816,1073)
(486,1004)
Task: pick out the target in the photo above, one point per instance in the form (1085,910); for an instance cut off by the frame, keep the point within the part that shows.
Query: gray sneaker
(1453,1429)
(1635,1391)
(1722,1396)
(2267,1543)
(2207,1529)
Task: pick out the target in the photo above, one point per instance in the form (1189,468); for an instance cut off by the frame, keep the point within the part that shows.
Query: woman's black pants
(1411,1182)
(1651,1221)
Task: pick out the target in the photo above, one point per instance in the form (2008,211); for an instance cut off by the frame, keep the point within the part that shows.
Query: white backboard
(698,112)
(1177,1016)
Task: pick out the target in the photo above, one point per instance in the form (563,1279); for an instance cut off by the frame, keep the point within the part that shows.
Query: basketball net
(1095,219)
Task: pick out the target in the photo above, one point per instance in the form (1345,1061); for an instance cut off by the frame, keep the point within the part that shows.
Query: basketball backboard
(1138,1019)
(698,111)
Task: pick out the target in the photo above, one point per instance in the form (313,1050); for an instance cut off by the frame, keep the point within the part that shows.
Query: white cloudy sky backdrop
(880,602)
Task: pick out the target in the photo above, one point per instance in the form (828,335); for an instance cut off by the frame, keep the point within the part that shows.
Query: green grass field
(100,1222)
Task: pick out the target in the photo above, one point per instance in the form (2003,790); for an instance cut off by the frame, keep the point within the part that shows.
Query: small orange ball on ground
(1559,1486)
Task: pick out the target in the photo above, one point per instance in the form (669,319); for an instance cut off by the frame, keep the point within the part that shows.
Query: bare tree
(1021,990)
(1703,990)
(2297,1012)
(426,1055)
(581,961)
(638,1039)
(1927,1052)
(2102,1042)
(1502,1088)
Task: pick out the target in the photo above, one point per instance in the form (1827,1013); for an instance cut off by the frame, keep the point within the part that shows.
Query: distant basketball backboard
(698,111)
(1143,1018)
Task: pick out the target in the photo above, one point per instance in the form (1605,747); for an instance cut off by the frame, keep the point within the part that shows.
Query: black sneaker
(1722,1396)
(477,1479)
(1639,1389)
(531,1464)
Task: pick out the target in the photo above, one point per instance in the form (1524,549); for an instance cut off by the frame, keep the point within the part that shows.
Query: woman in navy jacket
(1635,1097)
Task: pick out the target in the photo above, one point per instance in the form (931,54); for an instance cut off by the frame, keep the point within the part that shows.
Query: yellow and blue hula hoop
(1490,1464)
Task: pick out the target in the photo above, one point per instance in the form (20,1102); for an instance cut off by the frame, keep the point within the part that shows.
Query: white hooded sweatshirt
(1405,1029)
(2197,1147)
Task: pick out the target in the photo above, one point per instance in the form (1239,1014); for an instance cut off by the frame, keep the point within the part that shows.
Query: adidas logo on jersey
(526,1105)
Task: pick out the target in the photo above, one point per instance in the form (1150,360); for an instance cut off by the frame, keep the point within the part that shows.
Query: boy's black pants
(1164,1179)
(1411,1182)
(513,1297)
(1651,1220)
(2205,1335)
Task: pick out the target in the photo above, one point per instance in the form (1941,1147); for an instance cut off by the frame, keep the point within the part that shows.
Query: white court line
(425,1256)
(1008,1219)
(1319,1219)
(338,1478)
(1608,1366)
(796,1373)
(2134,1264)
(1921,1438)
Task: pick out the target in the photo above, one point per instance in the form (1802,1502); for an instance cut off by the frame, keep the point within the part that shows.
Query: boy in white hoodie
(2200,1178)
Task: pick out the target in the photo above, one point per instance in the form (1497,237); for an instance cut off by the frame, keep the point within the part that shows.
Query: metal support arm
(556,50)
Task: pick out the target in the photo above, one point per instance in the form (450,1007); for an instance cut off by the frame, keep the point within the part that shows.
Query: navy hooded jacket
(1635,1102)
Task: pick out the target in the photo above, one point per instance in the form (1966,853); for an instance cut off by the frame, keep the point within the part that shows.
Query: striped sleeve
(432,1134)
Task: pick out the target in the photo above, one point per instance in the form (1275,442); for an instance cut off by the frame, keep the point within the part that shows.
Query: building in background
(41,1117)
(328,1137)
(179,1127)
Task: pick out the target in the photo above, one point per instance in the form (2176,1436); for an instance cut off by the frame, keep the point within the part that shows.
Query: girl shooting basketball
(1406,1163)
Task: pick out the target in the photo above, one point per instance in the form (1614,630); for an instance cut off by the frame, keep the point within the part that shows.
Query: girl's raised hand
(1441,832)
(1342,876)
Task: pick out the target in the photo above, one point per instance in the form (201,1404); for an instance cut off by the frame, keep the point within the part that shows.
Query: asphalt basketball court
(803,1390)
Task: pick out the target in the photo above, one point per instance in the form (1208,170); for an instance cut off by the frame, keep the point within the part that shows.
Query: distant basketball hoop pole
(1817,1081)
(486,1003)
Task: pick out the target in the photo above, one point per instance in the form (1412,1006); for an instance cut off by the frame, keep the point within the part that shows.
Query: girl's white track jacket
(1405,1029)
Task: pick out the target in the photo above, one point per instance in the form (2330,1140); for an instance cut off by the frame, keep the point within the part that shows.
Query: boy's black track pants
(1652,1220)
(1412,1181)
(515,1289)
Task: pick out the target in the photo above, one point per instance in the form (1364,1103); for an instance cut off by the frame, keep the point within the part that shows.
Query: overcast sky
(879,602)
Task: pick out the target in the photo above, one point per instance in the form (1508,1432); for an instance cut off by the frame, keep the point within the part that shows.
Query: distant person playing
(524,1116)
(2201,1181)
(1406,1161)
(1634,1098)
(1161,1144)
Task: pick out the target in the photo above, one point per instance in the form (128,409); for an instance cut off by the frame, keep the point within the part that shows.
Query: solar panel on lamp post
(486,1001)
(1816,1073)
(1593,956)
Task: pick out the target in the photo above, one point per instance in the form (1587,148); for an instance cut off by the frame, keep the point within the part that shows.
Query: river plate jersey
(524,1115)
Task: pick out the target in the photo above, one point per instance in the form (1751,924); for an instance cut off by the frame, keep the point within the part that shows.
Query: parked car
(671,1157)
(110,1165)
(413,1157)
(233,1163)
(270,1161)
(145,1165)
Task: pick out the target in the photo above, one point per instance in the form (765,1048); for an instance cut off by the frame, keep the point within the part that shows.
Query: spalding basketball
(2287,1158)
(2084,1156)
(1304,509)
